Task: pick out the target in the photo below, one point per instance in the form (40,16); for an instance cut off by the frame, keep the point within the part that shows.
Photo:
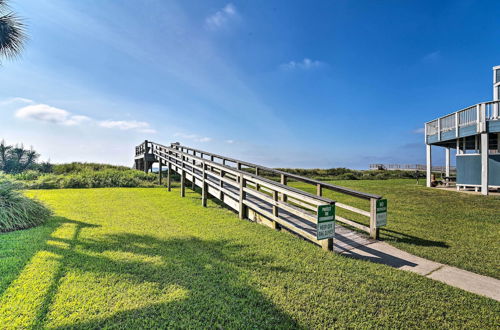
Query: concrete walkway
(384,253)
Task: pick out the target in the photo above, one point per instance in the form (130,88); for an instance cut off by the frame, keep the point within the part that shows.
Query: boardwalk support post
(204,190)
(169,177)
(327,244)
(242,198)
(374,231)
(159,173)
(183,183)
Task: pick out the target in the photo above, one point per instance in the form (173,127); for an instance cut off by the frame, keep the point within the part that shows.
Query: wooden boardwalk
(256,198)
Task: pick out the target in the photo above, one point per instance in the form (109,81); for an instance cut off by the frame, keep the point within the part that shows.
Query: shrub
(18,211)
(28,175)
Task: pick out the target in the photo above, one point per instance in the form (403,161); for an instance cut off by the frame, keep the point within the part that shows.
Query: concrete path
(384,253)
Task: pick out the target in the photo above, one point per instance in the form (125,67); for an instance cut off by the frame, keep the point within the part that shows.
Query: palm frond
(12,34)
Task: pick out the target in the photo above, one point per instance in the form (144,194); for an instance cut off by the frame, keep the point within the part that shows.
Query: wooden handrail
(330,186)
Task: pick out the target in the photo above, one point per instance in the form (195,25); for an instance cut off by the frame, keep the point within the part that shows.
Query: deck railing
(238,165)
(474,115)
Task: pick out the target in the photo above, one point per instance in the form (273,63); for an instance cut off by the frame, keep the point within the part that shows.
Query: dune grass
(453,228)
(146,258)
(17,211)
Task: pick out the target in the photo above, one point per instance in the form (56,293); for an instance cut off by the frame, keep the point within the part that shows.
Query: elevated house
(474,132)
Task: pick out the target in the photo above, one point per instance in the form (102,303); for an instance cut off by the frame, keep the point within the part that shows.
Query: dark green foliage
(12,32)
(15,159)
(77,167)
(94,179)
(16,210)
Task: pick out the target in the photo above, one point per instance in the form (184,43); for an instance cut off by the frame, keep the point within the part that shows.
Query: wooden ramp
(254,197)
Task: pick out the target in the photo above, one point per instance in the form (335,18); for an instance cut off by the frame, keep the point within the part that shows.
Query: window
(498,93)
(497,75)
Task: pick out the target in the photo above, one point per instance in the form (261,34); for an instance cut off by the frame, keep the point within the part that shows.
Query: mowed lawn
(146,258)
(457,229)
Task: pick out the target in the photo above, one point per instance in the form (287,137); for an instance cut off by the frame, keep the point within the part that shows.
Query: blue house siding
(494,170)
(469,170)
(432,138)
(448,135)
(467,130)
(493,126)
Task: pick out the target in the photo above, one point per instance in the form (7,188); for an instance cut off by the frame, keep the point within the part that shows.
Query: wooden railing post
(276,225)
(374,231)
(169,177)
(183,182)
(242,197)
(257,187)
(283,181)
(204,191)
(159,173)
(319,190)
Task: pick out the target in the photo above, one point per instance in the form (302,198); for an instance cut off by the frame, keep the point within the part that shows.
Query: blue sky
(282,83)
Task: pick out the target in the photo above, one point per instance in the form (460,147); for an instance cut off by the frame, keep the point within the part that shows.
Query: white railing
(474,115)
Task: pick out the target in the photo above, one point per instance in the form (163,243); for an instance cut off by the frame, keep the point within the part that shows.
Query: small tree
(15,159)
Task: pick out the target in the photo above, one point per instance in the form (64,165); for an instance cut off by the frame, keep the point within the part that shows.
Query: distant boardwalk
(409,167)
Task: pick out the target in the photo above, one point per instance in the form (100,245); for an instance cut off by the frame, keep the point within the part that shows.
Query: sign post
(381,210)
(326,222)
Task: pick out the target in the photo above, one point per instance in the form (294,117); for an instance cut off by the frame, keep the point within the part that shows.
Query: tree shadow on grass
(398,237)
(32,241)
(213,274)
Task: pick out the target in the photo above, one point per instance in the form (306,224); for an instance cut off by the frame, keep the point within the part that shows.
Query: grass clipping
(18,211)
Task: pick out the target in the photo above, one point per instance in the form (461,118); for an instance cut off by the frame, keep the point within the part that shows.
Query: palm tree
(12,32)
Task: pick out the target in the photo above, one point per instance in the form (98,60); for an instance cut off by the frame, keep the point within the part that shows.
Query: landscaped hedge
(18,211)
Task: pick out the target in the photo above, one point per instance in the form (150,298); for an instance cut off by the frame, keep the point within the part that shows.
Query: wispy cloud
(420,130)
(50,114)
(15,100)
(46,113)
(125,125)
(221,17)
(431,57)
(193,137)
(305,64)
(229,141)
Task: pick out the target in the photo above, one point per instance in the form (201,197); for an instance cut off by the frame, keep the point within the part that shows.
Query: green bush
(18,211)
(94,179)
(28,175)
(77,167)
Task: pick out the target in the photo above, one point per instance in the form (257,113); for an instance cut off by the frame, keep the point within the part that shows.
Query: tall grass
(18,211)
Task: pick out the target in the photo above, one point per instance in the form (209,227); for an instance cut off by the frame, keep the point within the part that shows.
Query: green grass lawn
(454,228)
(146,258)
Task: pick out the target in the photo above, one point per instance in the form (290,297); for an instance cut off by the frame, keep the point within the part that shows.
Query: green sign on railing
(381,210)
(326,222)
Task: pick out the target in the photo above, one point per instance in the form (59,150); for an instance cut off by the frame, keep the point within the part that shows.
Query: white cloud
(221,17)
(46,113)
(432,57)
(230,141)
(14,100)
(123,124)
(193,137)
(305,64)
(49,114)
(420,130)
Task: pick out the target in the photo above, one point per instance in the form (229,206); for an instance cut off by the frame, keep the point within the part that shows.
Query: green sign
(326,222)
(381,210)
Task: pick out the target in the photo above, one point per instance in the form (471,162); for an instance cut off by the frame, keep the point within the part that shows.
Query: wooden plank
(352,223)
(353,209)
